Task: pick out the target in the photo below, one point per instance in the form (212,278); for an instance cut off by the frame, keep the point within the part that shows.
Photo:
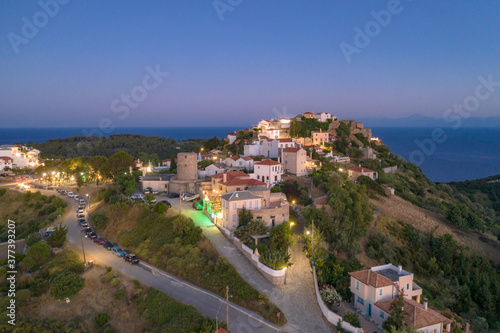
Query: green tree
(120,162)
(397,314)
(58,238)
(150,197)
(102,319)
(352,318)
(245,217)
(173,163)
(66,284)
(40,252)
(161,208)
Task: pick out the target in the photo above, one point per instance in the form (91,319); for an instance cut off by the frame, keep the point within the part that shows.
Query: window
(235,205)
(357,285)
(243,204)
(249,204)
(407,286)
(380,292)
(382,314)
(234,218)
(361,301)
(256,203)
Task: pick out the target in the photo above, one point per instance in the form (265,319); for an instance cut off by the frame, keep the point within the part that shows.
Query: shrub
(137,283)
(352,318)
(108,276)
(161,208)
(66,284)
(99,221)
(115,282)
(58,238)
(329,295)
(40,252)
(102,319)
(3,191)
(120,294)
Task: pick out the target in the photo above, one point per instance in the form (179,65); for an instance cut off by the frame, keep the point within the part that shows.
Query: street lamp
(284,268)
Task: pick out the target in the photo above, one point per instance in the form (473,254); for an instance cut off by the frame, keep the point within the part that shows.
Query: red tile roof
(230,175)
(371,278)
(6,158)
(291,150)
(361,169)
(285,140)
(308,113)
(247,158)
(243,181)
(417,316)
(267,162)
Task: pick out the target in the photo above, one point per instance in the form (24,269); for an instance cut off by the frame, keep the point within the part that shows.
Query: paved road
(209,304)
(296,299)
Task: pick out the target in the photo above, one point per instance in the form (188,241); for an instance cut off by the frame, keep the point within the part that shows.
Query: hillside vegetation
(31,211)
(174,244)
(133,144)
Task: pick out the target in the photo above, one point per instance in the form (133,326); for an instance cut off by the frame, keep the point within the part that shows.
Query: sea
(444,154)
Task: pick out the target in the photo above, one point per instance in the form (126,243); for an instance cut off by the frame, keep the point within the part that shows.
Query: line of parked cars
(89,233)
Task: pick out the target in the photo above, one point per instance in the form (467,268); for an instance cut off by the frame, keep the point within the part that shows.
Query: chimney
(236,194)
(400,268)
(426,303)
(224,177)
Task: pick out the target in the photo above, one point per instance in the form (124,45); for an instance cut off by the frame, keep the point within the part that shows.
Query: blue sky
(263,55)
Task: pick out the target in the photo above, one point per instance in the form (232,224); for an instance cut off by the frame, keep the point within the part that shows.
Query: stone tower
(187,166)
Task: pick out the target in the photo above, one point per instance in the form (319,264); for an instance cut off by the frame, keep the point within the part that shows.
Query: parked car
(71,194)
(80,211)
(108,245)
(131,259)
(191,197)
(76,197)
(49,231)
(173,195)
(99,240)
(167,203)
(82,201)
(118,251)
(63,192)
(154,191)
(80,216)
(146,191)
(93,235)
(87,231)
(197,205)
(84,225)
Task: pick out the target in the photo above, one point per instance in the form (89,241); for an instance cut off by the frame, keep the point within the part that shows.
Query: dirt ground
(96,297)
(426,221)
(305,181)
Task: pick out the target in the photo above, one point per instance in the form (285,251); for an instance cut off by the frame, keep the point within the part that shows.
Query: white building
(212,169)
(322,116)
(269,148)
(267,171)
(22,157)
(239,162)
(231,137)
(374,291)
(5,162)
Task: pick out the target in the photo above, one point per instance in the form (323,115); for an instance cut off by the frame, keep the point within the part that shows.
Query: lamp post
(83,248)
(88,206)
(285,274)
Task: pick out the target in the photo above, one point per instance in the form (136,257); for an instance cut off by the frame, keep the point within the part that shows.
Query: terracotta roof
(6,158)
(231,134)
(361,169)
(243,181)
(371,278)
(230,175)
(235,158)
(308,113)
(417,316)
(285,140)
(291,150)
(247,158)
(267,162)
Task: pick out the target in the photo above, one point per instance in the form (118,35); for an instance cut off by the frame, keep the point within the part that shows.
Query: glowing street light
(53,172)
(341,170)
(308,232)
(291,224)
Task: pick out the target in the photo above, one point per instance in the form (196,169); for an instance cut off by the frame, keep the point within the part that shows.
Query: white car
(71,194)
(76,197)
(191,197)
(155,191)
(146,191)
(82,201)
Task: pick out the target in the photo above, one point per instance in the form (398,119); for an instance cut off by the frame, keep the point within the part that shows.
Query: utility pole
(83,248)
(180,203)
(312,240)
(227,307)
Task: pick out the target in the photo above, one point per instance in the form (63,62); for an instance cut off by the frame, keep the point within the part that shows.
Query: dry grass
(426,221)
(96,297)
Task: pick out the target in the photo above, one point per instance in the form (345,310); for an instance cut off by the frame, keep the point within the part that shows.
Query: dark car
(84,225)
(87,231)
(167,203)
(99,240)
(108,245)
(82,220)
(131,259)
(93,235)
(4,174)
(173,195)
(197,205)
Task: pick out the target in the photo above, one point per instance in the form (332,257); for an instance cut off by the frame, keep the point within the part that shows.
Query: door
(369,310)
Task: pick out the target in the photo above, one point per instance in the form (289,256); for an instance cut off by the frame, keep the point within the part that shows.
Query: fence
(331,316)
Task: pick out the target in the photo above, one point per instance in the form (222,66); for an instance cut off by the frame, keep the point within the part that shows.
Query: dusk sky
(262,55)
